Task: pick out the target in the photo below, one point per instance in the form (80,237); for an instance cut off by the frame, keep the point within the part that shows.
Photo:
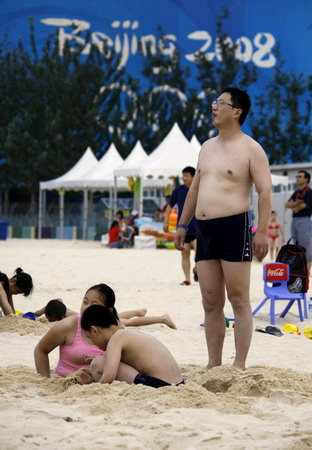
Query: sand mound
(17,324)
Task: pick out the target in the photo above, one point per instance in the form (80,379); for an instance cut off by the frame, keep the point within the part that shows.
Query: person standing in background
(178,197)
(301,205)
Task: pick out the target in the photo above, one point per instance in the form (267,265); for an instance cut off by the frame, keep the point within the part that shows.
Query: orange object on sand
(173,221)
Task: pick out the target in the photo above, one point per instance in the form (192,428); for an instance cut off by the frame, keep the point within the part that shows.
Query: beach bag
(295,256)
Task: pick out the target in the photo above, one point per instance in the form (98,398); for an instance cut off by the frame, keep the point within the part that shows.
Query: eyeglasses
(299,176)
(222,102)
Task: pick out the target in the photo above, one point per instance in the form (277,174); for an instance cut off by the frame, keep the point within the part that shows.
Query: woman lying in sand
(20,283)
(76,350)
(55,310)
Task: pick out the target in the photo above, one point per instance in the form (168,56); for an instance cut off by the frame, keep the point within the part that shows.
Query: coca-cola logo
(279,272)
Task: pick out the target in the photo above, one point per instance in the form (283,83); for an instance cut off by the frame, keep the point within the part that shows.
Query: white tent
(133,160)
(129,168)
(85,163)
(171,156)
(168,160)
(100,178)
(195,143)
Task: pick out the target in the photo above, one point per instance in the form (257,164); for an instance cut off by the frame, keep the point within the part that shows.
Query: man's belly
(211,208)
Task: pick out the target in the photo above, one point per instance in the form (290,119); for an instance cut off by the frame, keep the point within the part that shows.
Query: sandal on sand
(185,283)
(270,330)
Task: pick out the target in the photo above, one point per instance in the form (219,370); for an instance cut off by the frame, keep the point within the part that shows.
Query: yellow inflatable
(173,221)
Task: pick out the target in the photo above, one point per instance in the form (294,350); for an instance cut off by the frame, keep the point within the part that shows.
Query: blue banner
(127,25)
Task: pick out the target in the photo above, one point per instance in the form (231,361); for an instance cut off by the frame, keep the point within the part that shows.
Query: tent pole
(85,214)
(61,201)
(141,198)
(40,214)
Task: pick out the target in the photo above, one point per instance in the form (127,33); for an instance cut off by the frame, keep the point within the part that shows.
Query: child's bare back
(146,354)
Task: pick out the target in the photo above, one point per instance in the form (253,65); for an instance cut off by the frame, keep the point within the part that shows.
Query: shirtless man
(228,165)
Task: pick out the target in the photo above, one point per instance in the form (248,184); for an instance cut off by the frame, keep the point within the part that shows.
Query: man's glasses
(222,102)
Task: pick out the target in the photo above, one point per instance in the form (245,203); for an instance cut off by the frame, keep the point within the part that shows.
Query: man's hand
(260,246)
(166,227)
(179,239)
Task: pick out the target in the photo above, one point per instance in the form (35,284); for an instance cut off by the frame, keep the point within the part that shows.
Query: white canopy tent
(99,178)
(168,160)
(129,169)
(195,143)
(87,162)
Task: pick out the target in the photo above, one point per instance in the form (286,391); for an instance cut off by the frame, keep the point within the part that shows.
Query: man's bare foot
(166,319)
(142,312)
(212,365)
(240,367)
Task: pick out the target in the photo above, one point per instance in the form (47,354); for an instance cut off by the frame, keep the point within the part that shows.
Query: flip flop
(274,330)
(261,330)
(270,330)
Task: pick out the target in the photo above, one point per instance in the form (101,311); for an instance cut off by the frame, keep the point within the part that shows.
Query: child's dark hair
(190,170)
(23,281)
(108,296)
(55,310)
(98,316)
(4,279)
(115,223)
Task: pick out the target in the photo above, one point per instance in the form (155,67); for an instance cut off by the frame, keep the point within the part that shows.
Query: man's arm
(261,175)
(187,212)
(166,218)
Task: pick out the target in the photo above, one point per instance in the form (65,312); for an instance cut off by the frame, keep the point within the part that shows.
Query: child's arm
(10,300)
(39,312)
(112,361)
(53,338)
(4,302)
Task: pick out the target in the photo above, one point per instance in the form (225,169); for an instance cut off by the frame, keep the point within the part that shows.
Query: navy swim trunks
(189,238)
(227,238)
(147,380)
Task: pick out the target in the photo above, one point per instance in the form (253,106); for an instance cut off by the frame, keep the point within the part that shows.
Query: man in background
(301,205)
(178,197)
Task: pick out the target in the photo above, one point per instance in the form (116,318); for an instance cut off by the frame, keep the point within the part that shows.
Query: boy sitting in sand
(146,360)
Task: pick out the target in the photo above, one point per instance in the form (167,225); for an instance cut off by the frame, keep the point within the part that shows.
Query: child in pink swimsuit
(76,351)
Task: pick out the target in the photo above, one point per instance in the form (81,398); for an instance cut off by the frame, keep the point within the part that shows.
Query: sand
(267,406)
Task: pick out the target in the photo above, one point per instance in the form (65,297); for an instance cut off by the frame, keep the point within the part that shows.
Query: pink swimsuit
(73,357)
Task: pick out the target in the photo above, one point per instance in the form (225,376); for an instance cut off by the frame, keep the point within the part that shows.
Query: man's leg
(237,283)
(186,264)
(213,296)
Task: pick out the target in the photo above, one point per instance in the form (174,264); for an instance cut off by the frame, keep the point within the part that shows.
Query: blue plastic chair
(273,273)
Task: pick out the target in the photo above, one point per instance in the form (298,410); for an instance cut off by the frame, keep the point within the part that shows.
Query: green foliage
(212,77)
(282,122)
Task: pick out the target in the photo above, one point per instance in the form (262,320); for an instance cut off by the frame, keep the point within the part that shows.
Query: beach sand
(267,406)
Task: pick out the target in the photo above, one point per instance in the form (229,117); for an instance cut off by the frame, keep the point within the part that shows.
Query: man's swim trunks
(147,380)
(227,238)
